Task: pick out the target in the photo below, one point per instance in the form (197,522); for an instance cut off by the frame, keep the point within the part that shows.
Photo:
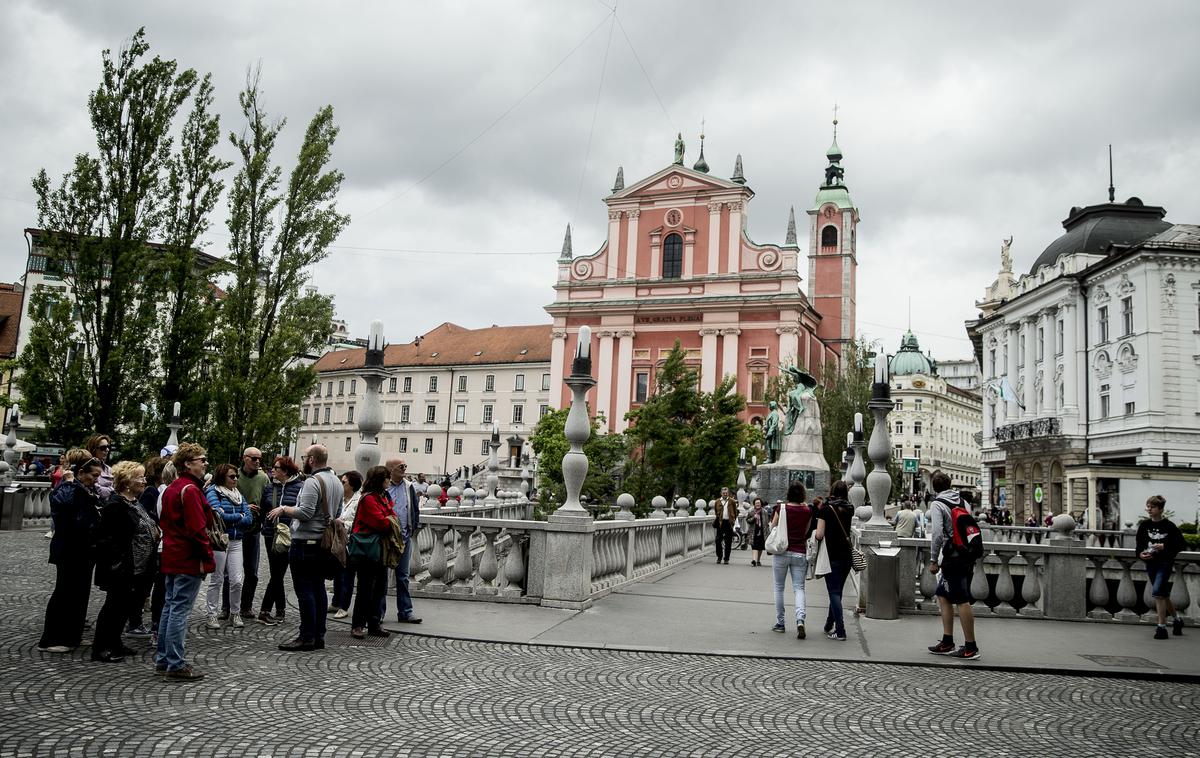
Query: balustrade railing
(25,504)
(627,551)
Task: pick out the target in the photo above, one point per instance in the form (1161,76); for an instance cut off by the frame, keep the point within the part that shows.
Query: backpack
(966,541)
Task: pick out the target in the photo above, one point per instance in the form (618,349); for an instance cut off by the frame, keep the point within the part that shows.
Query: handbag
(283,538)
(777,540)
(215,528)
(363,548)
(333,539)
(858,561)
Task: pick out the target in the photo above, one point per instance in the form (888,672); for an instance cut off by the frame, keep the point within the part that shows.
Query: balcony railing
(1026,430)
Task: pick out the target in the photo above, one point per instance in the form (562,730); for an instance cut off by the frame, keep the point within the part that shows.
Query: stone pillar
(370,411)
(1029,329)
(558,347)
(729,353)
(604,378)
(1064,573)
(735,236)
(708,359)
(1011,410)
(1093,517)
(631,240)
(624,379)
(1050,364)
(789,345)
(1070,370)
(714,233)
(614,244)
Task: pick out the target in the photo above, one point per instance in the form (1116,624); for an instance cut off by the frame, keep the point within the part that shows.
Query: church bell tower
(832,258)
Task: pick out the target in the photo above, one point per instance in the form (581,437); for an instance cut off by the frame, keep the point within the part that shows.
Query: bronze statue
(805,387)
(773,432)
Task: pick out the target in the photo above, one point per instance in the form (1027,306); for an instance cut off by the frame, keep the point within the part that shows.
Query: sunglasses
(201,458)
(102,447)
(254,458)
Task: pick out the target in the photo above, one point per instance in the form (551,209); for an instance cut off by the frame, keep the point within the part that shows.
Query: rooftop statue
(679,146)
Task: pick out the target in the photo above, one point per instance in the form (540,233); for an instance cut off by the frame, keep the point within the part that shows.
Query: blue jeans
(834,581)
(404,606)
(1159,575)
(343,588)
(181,592)
(308,579)
(797,565)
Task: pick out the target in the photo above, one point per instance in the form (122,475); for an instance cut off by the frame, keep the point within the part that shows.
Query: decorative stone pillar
(1029,329)
(624,379)
(175,424)
(879,482)
(708,359)
(493,467)
(370,411)
(735,236)
(604,378)
(631,242)
(1050,373)
(577,429)
(729,353)
(789,344)
(558,347)
(1012,411)
(614,244)
(714,242)
(1070,358)
(625,502)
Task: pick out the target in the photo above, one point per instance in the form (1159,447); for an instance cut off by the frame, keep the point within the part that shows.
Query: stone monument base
(774,478)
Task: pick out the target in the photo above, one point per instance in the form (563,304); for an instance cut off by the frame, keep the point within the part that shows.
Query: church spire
(834,171)
(701,164)
(791,228)
(619,184)
(738,177)
(566,248)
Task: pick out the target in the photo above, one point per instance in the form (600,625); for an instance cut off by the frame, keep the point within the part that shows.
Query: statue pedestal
(774,478)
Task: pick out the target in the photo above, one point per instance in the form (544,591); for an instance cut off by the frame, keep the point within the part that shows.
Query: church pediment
(678,179)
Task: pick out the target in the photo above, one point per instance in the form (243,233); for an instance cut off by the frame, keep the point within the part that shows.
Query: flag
(1005,391)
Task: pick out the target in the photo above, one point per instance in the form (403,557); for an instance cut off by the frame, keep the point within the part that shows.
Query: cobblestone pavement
(423,696)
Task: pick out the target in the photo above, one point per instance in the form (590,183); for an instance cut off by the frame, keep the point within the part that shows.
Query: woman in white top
(343,583)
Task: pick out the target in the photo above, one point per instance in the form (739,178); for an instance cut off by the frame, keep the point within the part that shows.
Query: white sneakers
(212,622)
(237,621)
(341,613)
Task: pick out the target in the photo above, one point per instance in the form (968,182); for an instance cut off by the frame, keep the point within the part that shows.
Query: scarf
(234,494)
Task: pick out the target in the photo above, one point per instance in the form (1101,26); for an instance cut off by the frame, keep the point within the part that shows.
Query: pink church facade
(677,264)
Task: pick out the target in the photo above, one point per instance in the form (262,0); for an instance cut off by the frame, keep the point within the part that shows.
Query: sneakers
(942,648)
(185,674)
(835,636)
(213,621)
(138,631)
(341,613)
(409,620)
(237,622)
(266,618)
(55,649)
(966,654)
(779,628)
(1160,632)
(800,631)
(1177,627)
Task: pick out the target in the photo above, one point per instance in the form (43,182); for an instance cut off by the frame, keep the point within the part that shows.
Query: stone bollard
(625,502)
(659,503)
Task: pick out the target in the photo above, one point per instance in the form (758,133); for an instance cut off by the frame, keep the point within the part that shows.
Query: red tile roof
(453,345)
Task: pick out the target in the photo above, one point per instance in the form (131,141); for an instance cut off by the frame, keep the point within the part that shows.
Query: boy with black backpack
(955,544)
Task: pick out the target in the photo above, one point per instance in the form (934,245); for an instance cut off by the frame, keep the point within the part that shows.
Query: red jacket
(372,514)
(185,513)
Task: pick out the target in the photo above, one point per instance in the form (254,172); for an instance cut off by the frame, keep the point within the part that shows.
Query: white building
(443,393)
(934,423)
(963,373)
(1091,364)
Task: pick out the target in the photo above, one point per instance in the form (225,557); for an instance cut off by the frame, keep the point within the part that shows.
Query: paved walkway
(432,695)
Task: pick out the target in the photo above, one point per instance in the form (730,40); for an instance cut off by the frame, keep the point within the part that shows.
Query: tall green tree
(267,320)
(98,222)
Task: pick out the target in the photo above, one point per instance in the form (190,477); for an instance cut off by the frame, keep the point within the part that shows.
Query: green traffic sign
(1037,494)
(911,465)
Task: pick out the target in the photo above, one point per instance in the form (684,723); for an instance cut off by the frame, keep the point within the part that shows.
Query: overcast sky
(477,128)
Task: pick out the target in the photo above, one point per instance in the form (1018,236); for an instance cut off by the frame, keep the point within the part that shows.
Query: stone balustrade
(1060,577)
(1035,535)
(628,551)
(25,504)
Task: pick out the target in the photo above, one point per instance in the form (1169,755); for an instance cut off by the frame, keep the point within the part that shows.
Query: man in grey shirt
(319,501)
(953,574)
(906,520)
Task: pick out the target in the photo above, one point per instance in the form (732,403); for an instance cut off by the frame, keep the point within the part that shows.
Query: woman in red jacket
(374,510)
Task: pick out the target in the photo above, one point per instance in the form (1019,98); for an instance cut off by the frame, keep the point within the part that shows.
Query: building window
(757,380)
(899,427)
(403,448)
(408,384)
(543,410)
(519,383)
(328,410)
(641,387)
(1041,349)
(1129,409)
(1102,317)
(404,411)
(1103,401)
(1058,340)
(489,383)
(460,414)
(1021,352)
(917,405)
(430,414)
(898,406)
(899,452)
(487,414)
(545,382)
(1126,316)
(917,452)
(829,236)
(349,414)
(916,427)
(304,417)
(518,414)
(458,446)
(672,266)
(353,386)
(329,390)
(462,383)
(433,384)
(392,384)
(429,446)
(992,363)
(486,449)
(341,387)
(347,444)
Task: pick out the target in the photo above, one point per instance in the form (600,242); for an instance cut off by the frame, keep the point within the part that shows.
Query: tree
(98,224)
(266,320)
(605,452)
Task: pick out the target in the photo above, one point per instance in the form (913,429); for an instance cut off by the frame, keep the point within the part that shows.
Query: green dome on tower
(910,360)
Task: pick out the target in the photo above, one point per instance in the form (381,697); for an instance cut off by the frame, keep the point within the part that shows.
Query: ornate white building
(1092,365)
(443,393)
(933,422)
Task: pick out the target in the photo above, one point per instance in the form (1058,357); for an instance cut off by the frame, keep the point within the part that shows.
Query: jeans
(275,596)
(250,548)
(372,588)
(67,609)
(343,587)
(404,605)
(834,581)
(308,579)
(158,597)
(797,565)
(229,562)
(182,590)
(724,539)
(1159,575)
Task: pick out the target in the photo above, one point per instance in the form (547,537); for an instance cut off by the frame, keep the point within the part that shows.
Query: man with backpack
(955,543)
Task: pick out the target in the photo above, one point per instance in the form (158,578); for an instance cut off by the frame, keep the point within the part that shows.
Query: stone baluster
(514,566)
(1098,591)
(701,507)
(1005,590)
(1126,592)
(432,497)
(659,503)
(1180,597)
(926,581)
(468,496)
(437,559)
(463,565)
(1031,588)
(454,497)
(979,586)
(625,502)
(1151,615)
(681,507)
(487,564)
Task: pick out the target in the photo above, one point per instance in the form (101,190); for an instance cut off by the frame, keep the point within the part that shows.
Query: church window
(757,380)
(641,387)
(829,236)
(672,257)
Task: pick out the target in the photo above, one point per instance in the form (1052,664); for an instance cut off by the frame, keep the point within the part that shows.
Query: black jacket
(75,512)
(114,542)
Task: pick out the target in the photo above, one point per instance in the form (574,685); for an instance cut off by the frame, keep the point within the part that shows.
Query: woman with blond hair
(125,552)
(99,446)
(230,507)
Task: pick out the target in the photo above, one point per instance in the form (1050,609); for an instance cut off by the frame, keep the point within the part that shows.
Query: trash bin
(883,582)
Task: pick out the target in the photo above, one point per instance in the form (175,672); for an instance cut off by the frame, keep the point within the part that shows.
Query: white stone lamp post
(493,466)
(370,416)
(578,428)
(879,482)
